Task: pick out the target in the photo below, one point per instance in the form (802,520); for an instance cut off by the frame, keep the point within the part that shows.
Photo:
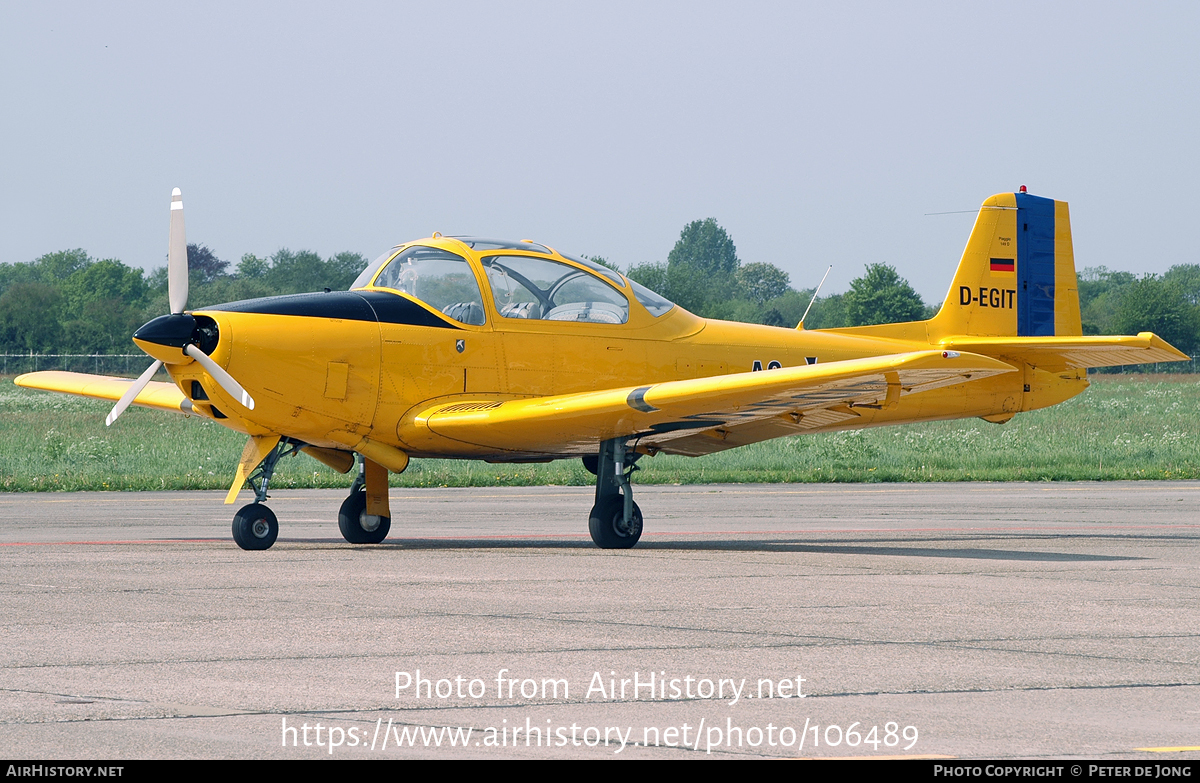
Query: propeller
(177,265)
(134,390)
(224,379)
(176,329)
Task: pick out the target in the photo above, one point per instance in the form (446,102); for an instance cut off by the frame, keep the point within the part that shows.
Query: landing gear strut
(357,526)
(255,526)
(615,522)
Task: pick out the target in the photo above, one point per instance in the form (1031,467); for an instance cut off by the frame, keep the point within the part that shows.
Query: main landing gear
(256,528)
(615,522)
(357,526)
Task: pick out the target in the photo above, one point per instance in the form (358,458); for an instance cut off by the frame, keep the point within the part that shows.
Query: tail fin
(1015,296)
(1017,274)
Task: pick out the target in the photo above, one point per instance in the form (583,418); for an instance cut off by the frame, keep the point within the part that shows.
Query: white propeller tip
(176,192)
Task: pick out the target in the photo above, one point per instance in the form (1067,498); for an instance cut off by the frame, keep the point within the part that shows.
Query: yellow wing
(1073,351)
(659,413)
(157,394)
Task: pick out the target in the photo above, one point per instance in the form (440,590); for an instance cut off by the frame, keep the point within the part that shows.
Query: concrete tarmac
(1002,621)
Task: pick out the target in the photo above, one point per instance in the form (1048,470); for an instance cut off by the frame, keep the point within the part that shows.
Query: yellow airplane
(473,348)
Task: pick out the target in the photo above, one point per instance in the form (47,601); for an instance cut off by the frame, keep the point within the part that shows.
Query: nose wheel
(255,527)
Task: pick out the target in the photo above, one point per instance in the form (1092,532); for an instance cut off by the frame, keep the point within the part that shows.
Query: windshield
(364,277)
(439,278)
(654,303)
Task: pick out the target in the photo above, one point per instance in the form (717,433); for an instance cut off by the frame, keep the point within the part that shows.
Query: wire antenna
(814,299)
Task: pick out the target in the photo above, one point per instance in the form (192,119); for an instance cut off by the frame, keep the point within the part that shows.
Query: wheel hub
(369,522)
(260,528)
(624,528)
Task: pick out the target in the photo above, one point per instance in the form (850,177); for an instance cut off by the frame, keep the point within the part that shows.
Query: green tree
(687,286)
(1100,293)
(56,267)
(203,264)
(1187,278)
(705,246)
(699,273)
(761,282)
(881,296)
(29,318)
(711,295)
(226,289)
(1155,305)
(51,269)
(828,312)
(343,268)
(102,326)
(294,273)
(785,310)
(252,267)
(107,280)
(651,275)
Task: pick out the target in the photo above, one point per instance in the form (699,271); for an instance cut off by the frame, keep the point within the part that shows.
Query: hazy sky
(814,133)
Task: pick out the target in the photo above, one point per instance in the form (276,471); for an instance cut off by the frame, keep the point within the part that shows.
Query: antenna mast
(814,299)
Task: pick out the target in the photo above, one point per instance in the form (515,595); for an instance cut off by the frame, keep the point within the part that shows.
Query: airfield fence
(1173,368)
(130,364)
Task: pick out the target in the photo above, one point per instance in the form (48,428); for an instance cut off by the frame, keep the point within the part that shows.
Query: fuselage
(332,368)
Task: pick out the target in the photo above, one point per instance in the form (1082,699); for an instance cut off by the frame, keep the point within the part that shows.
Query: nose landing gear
(254,526)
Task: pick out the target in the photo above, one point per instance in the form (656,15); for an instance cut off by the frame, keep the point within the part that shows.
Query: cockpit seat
(522,310)
(465,312)
(591,312)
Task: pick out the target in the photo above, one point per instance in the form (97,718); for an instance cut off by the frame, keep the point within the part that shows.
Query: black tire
(351,519)
(255,527)
(607,524)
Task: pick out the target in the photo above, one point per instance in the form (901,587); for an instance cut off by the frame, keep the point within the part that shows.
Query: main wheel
(255,527)
(359,527)
(607,524)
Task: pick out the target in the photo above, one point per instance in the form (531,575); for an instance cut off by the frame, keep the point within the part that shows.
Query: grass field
(1123,427)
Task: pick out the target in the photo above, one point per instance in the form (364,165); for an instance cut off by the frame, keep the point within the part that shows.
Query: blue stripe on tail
(1035,266)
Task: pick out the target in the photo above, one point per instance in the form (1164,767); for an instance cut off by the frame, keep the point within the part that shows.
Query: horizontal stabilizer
(1072,351)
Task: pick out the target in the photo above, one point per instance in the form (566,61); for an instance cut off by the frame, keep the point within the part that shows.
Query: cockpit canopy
(531,284)
(439,278)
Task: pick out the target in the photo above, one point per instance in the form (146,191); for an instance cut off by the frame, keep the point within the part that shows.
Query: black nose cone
(174,330)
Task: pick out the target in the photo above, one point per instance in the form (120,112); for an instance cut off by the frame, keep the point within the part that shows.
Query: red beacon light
(1024,189)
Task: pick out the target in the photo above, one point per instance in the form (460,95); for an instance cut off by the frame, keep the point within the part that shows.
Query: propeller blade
(177,260)
(231,387)
(134,390)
